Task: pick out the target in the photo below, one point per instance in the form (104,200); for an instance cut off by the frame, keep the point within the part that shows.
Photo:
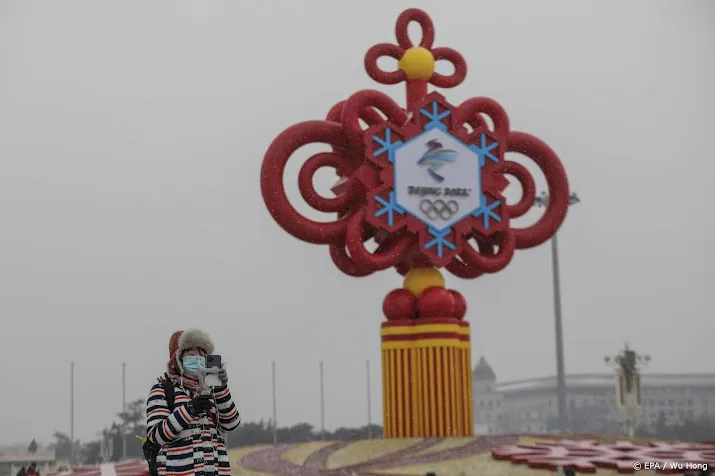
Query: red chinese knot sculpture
(466,231)
(426,183)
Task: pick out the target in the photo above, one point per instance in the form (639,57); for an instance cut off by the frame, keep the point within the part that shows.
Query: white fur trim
(194,338)
(177,359)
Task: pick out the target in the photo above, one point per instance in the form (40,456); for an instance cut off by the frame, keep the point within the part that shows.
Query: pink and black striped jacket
(183,439)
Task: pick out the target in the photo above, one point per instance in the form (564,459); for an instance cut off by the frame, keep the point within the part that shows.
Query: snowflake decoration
(484,150)
(389,207)
(588,455)
(386,145)
(435,117)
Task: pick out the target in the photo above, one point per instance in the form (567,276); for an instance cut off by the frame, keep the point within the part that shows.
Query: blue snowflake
(484,151)
(387,145)
(440,241)
(435,117)
(390,207)
(487,212)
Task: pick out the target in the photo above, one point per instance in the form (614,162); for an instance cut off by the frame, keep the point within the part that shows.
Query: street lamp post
(124,411)
(564,420)
(72,454)
(628,384)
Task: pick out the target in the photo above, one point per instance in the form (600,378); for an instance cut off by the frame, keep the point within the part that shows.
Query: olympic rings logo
(439,209)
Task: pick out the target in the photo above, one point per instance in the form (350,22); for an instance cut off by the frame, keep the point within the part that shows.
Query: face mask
(192,363)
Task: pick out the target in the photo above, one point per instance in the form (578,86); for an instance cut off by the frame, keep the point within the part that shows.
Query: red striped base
(427,379)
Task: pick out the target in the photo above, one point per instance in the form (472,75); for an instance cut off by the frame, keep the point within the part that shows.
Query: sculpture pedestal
(426,378)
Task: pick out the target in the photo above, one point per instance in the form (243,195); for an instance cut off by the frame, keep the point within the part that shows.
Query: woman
(190,432)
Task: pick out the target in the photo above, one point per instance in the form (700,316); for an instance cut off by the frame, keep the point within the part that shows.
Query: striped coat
(190,445)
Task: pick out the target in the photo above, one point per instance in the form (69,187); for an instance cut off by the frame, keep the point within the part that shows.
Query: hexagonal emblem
(437,179)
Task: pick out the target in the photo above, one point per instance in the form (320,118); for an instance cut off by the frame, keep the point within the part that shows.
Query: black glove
(199,404)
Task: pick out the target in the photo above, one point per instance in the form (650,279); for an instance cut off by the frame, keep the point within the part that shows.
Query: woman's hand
(223,376)
(199,404)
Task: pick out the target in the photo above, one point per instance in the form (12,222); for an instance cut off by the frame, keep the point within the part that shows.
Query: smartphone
(213,363)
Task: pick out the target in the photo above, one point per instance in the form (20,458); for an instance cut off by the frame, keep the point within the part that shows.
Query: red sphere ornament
(460,304)
(399,304)
(435,302)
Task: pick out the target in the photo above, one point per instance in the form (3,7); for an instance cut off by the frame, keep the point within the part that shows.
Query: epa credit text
(673,465)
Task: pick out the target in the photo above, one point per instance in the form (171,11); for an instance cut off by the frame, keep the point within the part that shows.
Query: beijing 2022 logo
(435,157)
(431,179)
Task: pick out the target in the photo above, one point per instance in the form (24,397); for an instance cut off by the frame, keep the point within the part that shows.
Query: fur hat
(191,338)
(184,340)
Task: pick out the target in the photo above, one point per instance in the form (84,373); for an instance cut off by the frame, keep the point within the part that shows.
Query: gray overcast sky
(131,140)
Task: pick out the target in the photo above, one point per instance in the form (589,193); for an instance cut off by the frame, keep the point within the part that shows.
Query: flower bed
(486,456)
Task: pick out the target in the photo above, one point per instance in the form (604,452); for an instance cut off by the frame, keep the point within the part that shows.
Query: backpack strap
(169,393)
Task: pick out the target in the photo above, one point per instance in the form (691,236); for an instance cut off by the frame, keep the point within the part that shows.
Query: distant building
(530,405)
(488,400)
(10,463)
